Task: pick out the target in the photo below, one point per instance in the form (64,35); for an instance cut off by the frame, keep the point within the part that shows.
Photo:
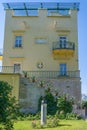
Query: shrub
(51,102)
(64,105)
(8,106)
(71,116)
(84,104)
(34,125)
(52,122)
(23,116)
(60,115)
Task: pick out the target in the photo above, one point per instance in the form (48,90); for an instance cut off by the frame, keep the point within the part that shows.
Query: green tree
(8,106)
(64,105)
(84,104)
(51,102)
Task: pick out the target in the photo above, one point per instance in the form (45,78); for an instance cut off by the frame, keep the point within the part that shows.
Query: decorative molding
(40,65)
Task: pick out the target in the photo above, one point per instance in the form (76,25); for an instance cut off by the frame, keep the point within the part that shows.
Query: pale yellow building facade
(41,39)
(14,81)
(44,29)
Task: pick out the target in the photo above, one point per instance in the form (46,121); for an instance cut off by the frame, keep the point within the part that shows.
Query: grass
(63,125)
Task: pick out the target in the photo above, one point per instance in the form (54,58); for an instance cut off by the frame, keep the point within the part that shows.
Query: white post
(43,112)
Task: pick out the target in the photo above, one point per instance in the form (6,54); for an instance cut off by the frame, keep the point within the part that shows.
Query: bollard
(43,112)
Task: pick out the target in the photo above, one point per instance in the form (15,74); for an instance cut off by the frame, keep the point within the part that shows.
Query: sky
(82,32)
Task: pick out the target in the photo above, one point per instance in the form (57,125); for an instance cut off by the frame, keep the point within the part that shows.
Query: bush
(51,103)
(71,116)
(52,122)
(64,105)
(23,116)
(8,106)
(84,104)
(34,125)
(60,115)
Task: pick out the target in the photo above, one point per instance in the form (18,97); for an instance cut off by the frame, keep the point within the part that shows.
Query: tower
(41,39)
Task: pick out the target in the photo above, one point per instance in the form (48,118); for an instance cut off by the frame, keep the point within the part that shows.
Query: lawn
(63,125)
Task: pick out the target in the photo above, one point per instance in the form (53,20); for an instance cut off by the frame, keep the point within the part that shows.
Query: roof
(37,5)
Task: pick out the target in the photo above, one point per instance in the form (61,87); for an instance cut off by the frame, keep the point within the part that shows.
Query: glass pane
(51,5)
(33,5)
(63,69)
(19,12)
(17,68)
(32,12)
(18,41)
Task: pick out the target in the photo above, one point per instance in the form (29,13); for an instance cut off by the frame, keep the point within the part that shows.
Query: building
(41,42)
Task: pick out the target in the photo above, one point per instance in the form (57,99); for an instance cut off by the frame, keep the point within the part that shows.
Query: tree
(51,102)
(84,104)
(64,105)
(8,106)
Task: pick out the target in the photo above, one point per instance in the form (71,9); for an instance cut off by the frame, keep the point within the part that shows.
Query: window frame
(17,67)
(63,41)
(63,69)
(18,41)
(18,33)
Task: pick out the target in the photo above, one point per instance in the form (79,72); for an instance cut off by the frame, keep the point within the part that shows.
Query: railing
(10,69)
(52,74)
(64,45)
(6,69)
(40,74)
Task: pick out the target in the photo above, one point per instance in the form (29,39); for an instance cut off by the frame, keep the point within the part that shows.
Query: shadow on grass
(64,125)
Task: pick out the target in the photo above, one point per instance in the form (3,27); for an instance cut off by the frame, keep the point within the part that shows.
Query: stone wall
(30,92)
(81,112)
(69,86)
(29,95)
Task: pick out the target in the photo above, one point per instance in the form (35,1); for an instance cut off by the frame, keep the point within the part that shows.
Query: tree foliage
(84,104)
(60,105)
(51,102)
(64,105)
(8,106)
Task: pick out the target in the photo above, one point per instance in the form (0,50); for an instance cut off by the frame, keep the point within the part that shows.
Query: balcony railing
(52,74)
(40,74)
(6,69)
(65,45)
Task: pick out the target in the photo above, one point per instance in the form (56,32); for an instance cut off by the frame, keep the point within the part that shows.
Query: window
(58,12)
(63,69)
(23,13)
(17,68)
(63,41)
(18,41)
(63,12)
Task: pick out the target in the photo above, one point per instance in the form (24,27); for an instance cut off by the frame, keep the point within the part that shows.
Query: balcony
(63,50)
(6,69)
(53,74)
(40,74)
